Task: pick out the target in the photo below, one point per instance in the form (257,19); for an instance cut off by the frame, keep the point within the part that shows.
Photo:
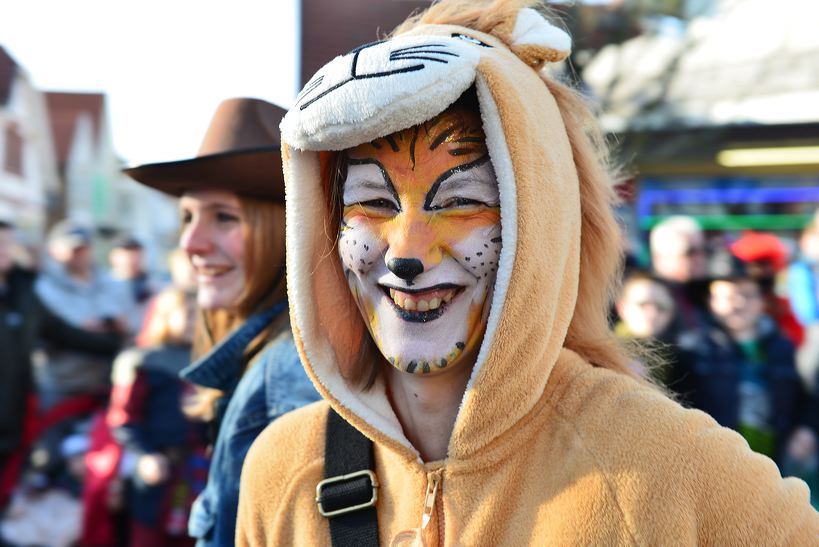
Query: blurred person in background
(182,274)
(232,213)
(18,324)
(679,257)
(84,324)
(766,257)
(105,517)
(182,277)
(742,369)
(802,457)
(127,261)
(167,447)
(803,293)
(645,310)
(645,307)
(72,287)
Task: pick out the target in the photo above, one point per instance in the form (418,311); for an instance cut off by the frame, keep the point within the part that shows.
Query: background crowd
(732,321)
(95,441)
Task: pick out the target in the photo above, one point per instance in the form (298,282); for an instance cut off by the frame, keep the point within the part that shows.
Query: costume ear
(536,41)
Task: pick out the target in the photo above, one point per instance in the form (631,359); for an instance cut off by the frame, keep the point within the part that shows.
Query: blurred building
(720,116)
(28,169)
(87,163)
(57,160)
(330,28)
(92,187)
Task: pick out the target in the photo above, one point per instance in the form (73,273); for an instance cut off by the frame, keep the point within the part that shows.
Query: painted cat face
(420,240)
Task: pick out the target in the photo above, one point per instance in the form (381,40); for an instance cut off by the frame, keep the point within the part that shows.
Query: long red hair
(263,229)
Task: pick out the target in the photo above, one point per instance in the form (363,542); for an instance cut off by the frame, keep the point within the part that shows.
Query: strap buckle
(344,478)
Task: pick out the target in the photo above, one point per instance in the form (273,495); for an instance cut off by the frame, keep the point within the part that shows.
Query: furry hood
(388,86)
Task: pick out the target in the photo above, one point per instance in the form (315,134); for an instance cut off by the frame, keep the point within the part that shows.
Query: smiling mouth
(212,271)
(421,305)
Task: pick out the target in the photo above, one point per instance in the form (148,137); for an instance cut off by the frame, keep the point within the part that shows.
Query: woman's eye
(224,217)
(458,202)
(379,204)
(185,217)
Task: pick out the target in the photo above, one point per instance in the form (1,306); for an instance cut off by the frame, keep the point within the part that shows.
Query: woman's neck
(427,406)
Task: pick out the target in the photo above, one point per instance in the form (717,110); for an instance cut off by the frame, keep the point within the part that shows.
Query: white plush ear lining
(536,41)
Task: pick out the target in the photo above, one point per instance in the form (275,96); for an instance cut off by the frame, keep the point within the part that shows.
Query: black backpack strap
(347,495)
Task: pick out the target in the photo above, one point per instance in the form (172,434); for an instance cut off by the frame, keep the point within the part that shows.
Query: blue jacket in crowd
(803,291)
(712,370)
(147,402)
(275,383)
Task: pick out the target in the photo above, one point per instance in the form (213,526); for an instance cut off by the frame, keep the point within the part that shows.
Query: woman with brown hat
(232,213)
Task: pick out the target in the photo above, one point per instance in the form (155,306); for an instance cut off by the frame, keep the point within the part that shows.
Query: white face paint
(420,240)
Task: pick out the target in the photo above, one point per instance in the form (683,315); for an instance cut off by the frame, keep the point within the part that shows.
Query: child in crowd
(645,307)
(742,368)
(645,311)
(167,449)
(766,257)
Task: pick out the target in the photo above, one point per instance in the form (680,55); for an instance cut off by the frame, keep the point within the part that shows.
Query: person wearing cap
(766,257)
(231,202)
(126,259)
(81,325)
(85,297)
(25,323)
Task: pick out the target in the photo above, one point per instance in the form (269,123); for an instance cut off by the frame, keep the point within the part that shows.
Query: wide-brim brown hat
(241,153)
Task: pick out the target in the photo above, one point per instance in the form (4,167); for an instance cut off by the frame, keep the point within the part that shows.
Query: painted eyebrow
(458,169)
(391,141)
(442,137)
(464,139)
(387,179)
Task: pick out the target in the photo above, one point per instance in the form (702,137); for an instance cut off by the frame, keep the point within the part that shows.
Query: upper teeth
(412,303)
(212,270)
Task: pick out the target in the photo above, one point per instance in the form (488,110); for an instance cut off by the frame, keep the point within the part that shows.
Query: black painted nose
(406,268)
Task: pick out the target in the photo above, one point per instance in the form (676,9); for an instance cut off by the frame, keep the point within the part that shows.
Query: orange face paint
(420,239)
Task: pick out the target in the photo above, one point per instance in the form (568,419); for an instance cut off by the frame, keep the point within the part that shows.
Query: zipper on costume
(431,503)
(440,514)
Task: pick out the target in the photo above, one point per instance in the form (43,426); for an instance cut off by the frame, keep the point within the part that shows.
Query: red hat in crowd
(760,246)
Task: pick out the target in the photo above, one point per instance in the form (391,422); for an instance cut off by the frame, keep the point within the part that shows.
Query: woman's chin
(209,299)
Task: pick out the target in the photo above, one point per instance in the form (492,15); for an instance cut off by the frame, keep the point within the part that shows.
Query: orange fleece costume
(547,449)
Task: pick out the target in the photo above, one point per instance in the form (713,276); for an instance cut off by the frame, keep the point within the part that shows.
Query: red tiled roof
(8,70)
(63,111)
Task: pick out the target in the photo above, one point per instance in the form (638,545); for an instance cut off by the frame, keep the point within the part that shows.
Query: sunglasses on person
(693,251)
(660,306)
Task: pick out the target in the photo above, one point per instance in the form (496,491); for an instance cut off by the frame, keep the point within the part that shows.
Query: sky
(164,65)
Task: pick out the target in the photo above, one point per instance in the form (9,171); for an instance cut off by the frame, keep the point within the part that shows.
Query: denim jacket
(275,384)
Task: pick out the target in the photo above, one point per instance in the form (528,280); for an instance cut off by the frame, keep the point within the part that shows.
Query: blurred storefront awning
(753,62)
(722,149)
